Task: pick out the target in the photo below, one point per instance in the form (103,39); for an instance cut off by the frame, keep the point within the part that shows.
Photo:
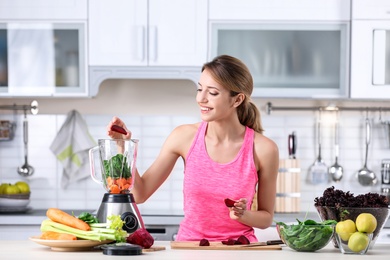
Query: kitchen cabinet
(41,58)
(147,33)
(293,50)
(370,50)
(43,9)
(330,10)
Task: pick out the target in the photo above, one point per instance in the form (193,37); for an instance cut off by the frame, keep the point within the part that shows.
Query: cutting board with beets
(194,245)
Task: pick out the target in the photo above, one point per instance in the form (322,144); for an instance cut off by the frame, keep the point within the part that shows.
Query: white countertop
(27,249)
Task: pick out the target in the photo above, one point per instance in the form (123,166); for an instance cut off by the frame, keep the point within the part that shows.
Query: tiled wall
(152,131)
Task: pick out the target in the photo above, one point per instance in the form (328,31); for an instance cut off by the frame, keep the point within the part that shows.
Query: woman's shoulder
(264,144)
(185,131)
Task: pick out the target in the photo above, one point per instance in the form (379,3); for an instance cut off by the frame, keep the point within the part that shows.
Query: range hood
(98,74)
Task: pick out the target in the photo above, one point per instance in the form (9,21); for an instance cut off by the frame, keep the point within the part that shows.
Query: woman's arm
(266,155)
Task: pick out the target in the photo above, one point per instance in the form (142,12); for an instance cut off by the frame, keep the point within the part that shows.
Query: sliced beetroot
(141,237)
(229,242)
(229,202)
(204,242)
(118,129)
(243,240)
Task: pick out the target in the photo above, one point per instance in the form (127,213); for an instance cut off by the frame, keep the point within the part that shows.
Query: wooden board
(153,248)
(194,245)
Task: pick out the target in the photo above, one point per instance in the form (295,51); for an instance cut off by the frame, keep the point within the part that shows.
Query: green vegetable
(307,235)
(117,167)
(99,231)
(88,217)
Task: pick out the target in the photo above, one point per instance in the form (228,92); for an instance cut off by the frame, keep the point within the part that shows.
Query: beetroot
(243,240)
(141,237)
(229,203)
(204,242)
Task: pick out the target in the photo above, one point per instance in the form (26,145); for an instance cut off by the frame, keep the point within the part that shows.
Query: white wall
(153,108)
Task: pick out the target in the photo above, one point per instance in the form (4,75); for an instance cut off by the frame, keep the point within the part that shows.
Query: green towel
(71,147)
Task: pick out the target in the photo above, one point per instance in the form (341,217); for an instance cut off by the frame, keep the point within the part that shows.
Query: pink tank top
(206,185)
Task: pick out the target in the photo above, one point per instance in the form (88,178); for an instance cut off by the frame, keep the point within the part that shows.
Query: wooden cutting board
(194,245)
(153,248)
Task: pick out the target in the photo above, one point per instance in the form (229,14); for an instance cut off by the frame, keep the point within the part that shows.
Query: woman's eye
(198,90)
(213,94)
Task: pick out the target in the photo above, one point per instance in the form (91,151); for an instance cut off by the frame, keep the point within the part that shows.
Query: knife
(292,145)
(267,243)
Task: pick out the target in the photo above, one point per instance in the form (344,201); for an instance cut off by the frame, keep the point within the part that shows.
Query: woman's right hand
(115,135)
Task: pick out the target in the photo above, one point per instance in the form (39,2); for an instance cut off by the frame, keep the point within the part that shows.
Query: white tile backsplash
(152,132)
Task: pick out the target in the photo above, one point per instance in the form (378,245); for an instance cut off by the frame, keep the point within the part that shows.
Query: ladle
(365,176)
(25,170)
(336,170)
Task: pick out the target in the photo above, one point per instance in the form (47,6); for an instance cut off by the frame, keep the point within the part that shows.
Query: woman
(225,156)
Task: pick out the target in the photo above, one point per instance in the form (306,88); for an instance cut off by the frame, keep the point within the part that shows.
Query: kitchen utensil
(194,245)
(318,171)
(25,170)
(365,176)
(115,171)
(292,145)
(336,170)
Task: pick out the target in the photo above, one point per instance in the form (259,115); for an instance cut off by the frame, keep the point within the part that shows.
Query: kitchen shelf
(33,107)
(270,108)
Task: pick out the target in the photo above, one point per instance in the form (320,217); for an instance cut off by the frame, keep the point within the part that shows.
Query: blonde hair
(235,76)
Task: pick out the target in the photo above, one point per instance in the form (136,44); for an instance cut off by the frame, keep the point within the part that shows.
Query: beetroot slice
(204,242)
(243,240)
(229,203)
(229,242)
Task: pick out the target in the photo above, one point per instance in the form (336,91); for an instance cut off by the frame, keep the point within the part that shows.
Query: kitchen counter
(27,249)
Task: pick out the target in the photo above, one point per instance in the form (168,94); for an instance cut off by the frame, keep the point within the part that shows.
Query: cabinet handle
(141,43)
(153,43)
(379,57)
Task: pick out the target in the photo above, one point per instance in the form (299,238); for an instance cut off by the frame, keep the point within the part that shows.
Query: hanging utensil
(25,170)
(292,145)
(318,171)
(336,170)
(365,176)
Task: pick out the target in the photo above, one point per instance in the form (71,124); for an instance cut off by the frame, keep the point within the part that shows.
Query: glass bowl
(353,243)
(306,238)
(343,213)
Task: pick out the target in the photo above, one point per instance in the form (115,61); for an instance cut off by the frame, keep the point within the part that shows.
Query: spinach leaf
(88,217)
(117,167)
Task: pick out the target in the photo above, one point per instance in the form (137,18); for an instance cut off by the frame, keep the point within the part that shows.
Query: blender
(113,163)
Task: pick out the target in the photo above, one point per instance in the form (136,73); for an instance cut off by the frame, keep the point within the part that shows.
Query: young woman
(225,156)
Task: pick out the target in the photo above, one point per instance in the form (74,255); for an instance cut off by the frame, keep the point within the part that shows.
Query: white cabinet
(147,33)
(294,49)
(370,50)
(43,9)
(279,10)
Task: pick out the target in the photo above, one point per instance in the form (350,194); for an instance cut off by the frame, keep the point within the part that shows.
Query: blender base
(123,205)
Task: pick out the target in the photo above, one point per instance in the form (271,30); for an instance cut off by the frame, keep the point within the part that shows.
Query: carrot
(51,235)
(62,217)
(114,189)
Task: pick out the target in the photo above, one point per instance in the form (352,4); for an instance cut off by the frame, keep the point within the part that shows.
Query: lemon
(358,241)
(345,229)
(2,187)
(366,222)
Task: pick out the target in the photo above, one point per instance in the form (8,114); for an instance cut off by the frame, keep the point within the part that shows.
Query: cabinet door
(117,32)
(43,9)
(177,32)
(322,10)
(370,59)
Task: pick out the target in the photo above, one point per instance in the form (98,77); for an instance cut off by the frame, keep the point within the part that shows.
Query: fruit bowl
(13,202)
(353,243)
(305,238)
(343,213)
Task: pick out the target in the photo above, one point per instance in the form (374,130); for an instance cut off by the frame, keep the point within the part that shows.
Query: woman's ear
(239,99)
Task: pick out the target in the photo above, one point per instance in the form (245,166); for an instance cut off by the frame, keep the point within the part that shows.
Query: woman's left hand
(239,209)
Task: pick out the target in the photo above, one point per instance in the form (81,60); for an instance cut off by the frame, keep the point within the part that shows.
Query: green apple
(23,186)
(2,187)
(11,189)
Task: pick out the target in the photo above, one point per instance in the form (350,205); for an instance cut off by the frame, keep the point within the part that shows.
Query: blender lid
(121,249)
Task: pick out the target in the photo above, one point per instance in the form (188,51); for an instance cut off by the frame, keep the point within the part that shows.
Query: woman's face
(213,99)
